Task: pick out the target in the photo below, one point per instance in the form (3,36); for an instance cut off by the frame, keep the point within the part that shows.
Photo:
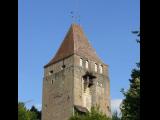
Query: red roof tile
(75,42)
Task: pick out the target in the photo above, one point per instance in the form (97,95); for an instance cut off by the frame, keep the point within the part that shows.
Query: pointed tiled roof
(75,42)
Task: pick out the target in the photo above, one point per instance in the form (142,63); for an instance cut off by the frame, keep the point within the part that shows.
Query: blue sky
(42,25)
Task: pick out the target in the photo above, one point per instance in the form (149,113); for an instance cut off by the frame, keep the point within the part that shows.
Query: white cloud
(115,105)
(38,106)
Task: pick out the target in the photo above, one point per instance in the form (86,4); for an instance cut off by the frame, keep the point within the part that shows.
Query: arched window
(81,62)
(101,69)
(87,64)
(95,67)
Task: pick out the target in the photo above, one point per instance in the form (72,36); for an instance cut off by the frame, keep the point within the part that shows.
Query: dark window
(51,81)
(50,72)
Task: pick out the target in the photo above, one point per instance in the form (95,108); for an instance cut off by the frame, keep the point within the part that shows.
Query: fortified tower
(75,79)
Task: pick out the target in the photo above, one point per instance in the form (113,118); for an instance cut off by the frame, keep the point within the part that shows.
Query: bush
(95,114)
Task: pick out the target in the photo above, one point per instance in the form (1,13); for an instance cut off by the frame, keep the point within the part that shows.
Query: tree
(25,114)
(130,107)
(95,114)
(36,111)
(22,112)
(115,116)
(32,115)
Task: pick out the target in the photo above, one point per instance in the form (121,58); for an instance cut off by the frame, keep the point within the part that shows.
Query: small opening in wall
(50,72)
(108,108)
(97,83)
(81,62)
(63,66)
(95,67)
(87,64)
(68,98)
(45,106)
(51,81)
(101,69)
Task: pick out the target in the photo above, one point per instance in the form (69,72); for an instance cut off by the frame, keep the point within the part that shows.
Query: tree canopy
(94,114)
(130,107)
(28,114)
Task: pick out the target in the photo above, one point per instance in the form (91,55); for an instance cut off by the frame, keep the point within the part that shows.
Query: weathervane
(74,14)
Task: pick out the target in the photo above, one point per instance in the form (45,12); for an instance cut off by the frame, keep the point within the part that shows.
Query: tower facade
(75,79)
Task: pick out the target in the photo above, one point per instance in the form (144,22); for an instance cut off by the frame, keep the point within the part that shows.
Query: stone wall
(58,91)
(63,88)
(100,91)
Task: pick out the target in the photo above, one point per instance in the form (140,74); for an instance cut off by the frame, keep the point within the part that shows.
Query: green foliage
(22,112)
(38,113)
(25,114)
(32,115)
(95,114)
(130,107)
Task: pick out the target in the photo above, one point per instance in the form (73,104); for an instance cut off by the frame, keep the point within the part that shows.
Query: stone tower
(75,79)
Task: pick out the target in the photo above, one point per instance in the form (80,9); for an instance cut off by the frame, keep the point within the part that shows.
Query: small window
(108,108)
(87,64)
(81,62)
(62,67)
(52,81)
(97,83)
(45,106)
(51,72)
(101,69)
(95,67)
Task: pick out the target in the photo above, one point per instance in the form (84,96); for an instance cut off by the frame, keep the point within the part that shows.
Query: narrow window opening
(81,61)
(101,69)
(63,66)
(95,67)
(68,98)
(51,72)
(87,64)
(45,106)
(97,83)
(52,81)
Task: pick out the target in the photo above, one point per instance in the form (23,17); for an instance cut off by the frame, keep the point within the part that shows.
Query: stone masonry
(75,79)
